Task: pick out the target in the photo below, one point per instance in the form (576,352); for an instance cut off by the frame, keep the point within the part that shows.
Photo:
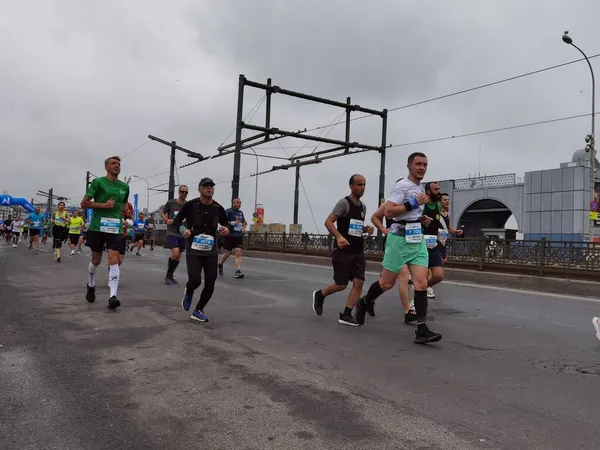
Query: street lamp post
(590,139)
(147,193)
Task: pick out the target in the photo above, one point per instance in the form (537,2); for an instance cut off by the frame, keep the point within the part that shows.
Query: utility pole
(296,195)
(237,155)
(382,160)
(50,197)
(172,171)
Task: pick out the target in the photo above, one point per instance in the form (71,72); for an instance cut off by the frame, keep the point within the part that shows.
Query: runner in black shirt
(203,217)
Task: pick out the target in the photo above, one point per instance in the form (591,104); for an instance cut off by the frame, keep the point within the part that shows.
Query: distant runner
(235,240)
(175,240)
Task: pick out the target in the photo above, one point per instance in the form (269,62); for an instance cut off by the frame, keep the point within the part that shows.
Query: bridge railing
(566,259)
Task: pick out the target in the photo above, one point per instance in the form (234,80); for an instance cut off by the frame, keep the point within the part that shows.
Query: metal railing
(563,259)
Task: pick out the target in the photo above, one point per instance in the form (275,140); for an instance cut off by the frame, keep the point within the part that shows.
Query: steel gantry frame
(268,133)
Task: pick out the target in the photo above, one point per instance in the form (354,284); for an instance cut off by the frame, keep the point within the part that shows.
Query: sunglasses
(183,192)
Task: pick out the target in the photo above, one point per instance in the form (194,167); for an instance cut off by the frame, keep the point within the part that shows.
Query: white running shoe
(596,322)
(430,293)
(14,245)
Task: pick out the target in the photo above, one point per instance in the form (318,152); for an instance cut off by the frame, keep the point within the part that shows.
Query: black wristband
(408,206)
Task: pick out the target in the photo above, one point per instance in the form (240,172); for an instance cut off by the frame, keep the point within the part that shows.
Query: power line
(493,130)
(332,124)
(135,149)
(309,207)
(256,106)
(464,91)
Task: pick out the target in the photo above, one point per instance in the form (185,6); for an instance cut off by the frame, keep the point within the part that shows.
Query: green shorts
(398,253)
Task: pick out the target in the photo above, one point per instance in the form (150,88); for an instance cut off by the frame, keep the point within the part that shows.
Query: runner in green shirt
(110,197)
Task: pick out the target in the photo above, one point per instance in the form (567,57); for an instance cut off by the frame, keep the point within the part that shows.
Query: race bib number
(74,229)
(150,226)
(59,221)
(203,242)
(413,233)
(431,240)
(236,226)
(140,226)
(110,225)
(355,228)
(35,224)
(442,236)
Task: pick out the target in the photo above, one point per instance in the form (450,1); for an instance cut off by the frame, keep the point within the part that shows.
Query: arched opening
(486,214)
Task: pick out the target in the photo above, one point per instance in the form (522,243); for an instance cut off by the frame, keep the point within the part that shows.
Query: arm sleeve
(223,217)
(397,196)
(92,189)
(341,208)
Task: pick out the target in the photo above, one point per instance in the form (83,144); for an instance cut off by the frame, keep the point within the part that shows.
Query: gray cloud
(84,80)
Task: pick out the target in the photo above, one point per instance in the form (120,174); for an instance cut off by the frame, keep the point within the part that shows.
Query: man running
(150,227)
(139,226)
(202,216)
(75,227)
(175,240)
(405,246)
(235,240)
(348,257)
(8,231)
(434,234)
(410,315)
(60,230)
(35,220)
(106,227)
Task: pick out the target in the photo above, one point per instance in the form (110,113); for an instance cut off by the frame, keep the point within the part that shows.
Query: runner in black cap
(202,216)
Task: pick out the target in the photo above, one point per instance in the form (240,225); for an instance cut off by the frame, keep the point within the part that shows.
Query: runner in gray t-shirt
(175,241)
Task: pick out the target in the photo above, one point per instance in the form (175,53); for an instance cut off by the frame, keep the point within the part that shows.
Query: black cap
(205,181)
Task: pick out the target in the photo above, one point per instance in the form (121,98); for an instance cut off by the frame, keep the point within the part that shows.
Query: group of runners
(416,229)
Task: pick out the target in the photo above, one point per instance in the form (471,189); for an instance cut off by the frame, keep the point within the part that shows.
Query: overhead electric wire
(492,130)
(332,124)
(254,109)
(309,206)
(135,149)
(464,91)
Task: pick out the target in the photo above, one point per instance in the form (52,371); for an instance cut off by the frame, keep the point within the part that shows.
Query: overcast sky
(82,80)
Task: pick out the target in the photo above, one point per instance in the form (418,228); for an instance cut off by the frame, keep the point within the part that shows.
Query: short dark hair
(444,193)
(235,198)
(109,158)
(351,182)
(428,185)
(414,155)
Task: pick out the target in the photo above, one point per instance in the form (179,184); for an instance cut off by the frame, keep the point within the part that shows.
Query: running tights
(195,265)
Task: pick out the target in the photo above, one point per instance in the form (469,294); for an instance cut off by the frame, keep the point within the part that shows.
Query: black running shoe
(423,335)
(361,310)
(113,303)
(318,301)
(220,269)
(90,295)
(410,317)
(238,274)
(347,319)
(371,309)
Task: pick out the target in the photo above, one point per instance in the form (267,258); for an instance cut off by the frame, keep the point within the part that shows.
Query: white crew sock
(113,279)
(92,275)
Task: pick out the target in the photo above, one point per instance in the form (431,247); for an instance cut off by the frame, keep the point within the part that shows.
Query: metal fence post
(481,252)
(266,237)
(542,250)
(284,240)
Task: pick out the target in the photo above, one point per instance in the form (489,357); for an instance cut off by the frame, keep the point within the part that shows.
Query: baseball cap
(205,181)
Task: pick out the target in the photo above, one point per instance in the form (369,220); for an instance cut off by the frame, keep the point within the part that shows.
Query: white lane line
(455,283)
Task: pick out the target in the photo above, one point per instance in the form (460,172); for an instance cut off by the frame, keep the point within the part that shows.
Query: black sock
(172,266)
(421,305)
(374,292)
(347,311)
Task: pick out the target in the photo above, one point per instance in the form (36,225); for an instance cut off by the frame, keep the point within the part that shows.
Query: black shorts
(16,233)
(138,237)
(34,232)
(435,257)
(176,242)
(123,245)
(231,242)
(96,241)
(60,233)
(348,266)
(74,238)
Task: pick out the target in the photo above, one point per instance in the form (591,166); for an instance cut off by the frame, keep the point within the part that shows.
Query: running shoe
(362,305)
(596,322)
(423,335)
(410,317)
(430,293)
(318,301)
(186,301)
(238,274)
(220,269)
(347,319)
(371,309)
(113,302)
(90,295)
(199,316)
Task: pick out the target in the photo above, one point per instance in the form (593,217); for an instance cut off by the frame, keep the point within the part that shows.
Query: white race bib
(431,240)
(442,236)
(109,225)
(413,233)
(35,224)
(203,242)
(59,221)
(355,228)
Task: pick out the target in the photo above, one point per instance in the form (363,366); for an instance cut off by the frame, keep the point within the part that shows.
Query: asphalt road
(514,370)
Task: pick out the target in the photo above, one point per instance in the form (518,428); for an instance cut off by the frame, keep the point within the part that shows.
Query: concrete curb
(513,281)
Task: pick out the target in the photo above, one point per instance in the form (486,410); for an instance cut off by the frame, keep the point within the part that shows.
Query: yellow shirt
(76,225)
(60,220)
